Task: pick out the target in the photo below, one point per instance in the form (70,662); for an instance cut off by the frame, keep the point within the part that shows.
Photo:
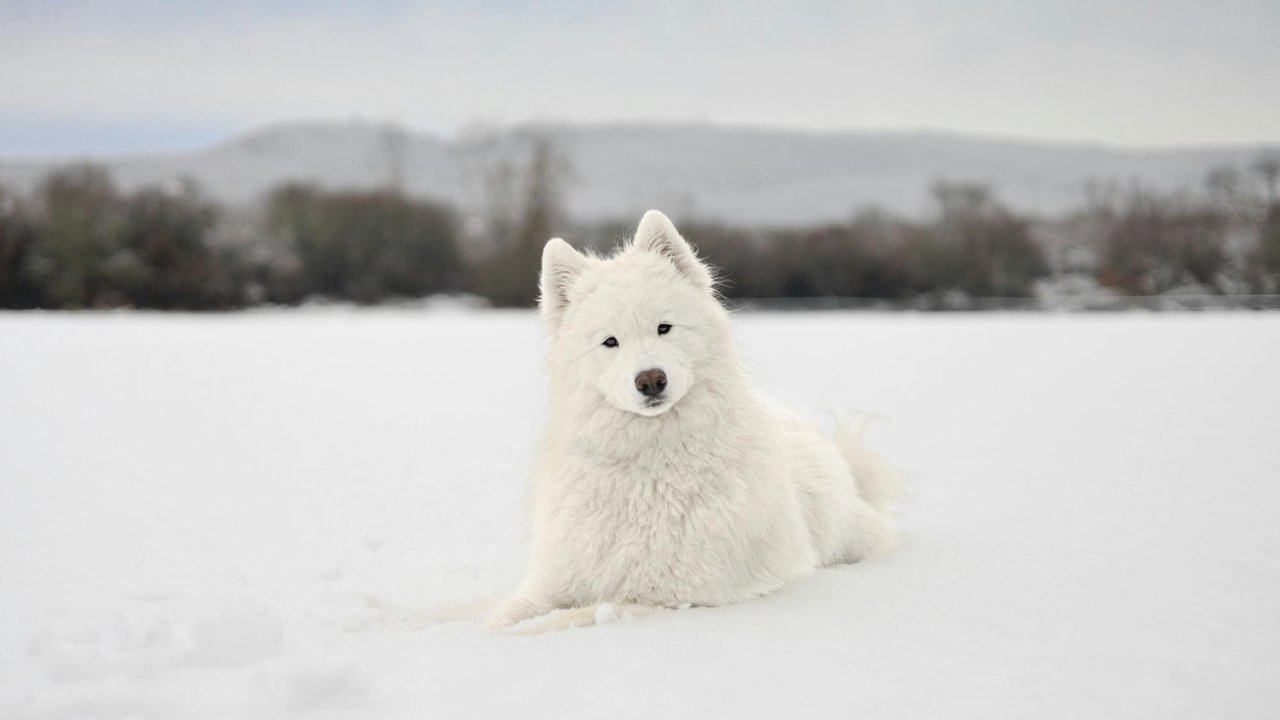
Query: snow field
(296,514)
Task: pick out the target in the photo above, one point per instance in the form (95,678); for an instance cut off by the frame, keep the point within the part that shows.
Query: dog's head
(636,327)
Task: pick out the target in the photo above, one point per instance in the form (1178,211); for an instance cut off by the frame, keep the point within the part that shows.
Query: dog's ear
(561,266)
(656,234)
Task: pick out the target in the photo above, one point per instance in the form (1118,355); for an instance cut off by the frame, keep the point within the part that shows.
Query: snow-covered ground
(284,514)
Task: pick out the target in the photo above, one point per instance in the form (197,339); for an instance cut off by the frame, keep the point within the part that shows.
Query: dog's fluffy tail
(878,482)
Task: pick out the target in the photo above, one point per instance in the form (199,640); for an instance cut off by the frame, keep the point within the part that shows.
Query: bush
(982,251)
(95,247)
(79,227)
(1269,239)
(1153,244)
(364,247)
(167,261)
(18,288)
(976,246)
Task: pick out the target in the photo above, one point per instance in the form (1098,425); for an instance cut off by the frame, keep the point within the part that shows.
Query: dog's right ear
(561,266)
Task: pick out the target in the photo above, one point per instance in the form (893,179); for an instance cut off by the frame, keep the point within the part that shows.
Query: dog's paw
(580,617)
(516,611)
(557,620)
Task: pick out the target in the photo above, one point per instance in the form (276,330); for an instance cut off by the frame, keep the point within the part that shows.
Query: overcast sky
(132,75)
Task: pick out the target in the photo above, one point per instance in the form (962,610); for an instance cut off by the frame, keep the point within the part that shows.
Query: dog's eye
(663,329)
(611,341)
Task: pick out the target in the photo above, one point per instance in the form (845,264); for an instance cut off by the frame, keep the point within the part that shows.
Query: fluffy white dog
(664,480)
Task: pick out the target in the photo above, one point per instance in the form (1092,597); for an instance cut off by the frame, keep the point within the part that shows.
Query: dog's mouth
(653,406)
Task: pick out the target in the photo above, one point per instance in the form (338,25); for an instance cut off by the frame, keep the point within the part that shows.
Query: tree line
(79,241)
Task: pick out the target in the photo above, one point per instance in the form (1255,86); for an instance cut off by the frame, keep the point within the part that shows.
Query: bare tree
(1268,168)
(518,179)
(962,203)
(394,146)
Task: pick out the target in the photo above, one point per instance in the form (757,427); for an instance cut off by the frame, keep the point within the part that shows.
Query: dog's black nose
(651,382)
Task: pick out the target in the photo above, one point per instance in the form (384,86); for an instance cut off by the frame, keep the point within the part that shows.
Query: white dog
(664,480)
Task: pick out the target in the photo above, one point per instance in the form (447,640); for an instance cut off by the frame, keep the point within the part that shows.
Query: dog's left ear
(656,234)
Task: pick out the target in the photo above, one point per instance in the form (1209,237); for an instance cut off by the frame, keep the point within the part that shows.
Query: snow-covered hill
(297,514)
(710,172)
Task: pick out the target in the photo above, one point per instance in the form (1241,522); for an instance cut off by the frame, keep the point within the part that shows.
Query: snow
(303,514)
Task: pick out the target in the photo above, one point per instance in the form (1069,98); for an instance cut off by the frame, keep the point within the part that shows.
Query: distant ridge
(708,172)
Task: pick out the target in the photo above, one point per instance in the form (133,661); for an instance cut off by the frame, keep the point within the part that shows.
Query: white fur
(707,497)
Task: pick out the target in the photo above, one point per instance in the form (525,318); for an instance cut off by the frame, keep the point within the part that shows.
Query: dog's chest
(630,501)
(642,529)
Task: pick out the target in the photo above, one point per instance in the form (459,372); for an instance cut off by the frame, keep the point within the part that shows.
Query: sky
(139,75)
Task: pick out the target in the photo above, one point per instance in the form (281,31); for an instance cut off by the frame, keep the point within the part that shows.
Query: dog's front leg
(539,593)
